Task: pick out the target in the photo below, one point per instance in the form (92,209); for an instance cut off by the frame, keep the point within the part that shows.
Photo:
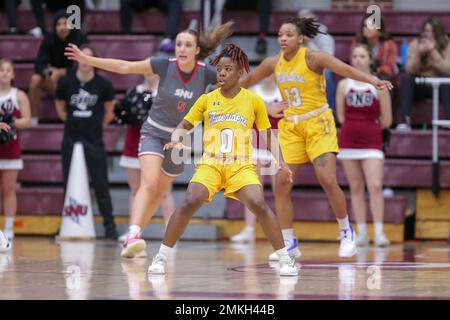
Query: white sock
(9,223)
(344,224)
(362,228)
(378,228)
(165,250)
(134,230)
(288,235)
(282,252)
(249,228)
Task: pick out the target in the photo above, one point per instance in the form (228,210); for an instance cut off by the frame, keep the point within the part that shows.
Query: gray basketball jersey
(176,95)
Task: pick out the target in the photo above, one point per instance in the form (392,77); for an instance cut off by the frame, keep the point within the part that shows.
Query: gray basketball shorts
(152,142)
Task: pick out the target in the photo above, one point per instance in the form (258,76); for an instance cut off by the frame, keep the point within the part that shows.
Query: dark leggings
(95,155)
(410,91)
(11,11)
(172,8)
(263,6)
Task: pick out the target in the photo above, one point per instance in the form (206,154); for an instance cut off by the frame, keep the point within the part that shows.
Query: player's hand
(284,170)
(275,110)
(383,85)
(170,145)
(4,127)
(72,52)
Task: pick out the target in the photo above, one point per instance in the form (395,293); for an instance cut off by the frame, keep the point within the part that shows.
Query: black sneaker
(261,46)
(111,232)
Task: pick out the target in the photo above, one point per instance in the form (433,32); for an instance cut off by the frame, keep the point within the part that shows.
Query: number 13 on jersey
(293,96)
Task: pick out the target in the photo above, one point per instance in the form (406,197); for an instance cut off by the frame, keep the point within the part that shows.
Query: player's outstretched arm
(72,52)
(265,69)
(177,135)
(318,59)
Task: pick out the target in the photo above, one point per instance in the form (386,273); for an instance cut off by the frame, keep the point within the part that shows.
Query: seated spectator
(53,6)
(172,8)
(84,102)
(363,112)
(10,7)
(51,64)
(428,56)
(263,7)
(14,116)
(323,41)
(384,50)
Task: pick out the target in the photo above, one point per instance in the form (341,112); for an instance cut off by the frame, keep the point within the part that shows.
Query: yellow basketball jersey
(228,123)
(301,87)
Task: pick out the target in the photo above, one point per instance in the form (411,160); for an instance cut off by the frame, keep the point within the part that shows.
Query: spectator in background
(172,8)
(84,102)
(10,7)
(262,6)
(14,105)
(323,41)
(51,64)
(428,56)
(53,6)
(383,49)
(363,111)
(130,159)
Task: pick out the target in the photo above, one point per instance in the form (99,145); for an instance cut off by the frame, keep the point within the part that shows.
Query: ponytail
(208,42)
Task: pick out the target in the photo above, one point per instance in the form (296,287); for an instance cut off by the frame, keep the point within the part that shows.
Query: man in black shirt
(51,64)
(84,101)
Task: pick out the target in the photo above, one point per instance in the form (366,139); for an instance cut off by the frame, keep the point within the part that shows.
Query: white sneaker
(36,32)
(293,251)
(245,235)
(9,234)
(133,246)
(403,127)
(381,240)
(288,266)
(362,240)
(158,265)
(347,248)
(122,238)
(5,245)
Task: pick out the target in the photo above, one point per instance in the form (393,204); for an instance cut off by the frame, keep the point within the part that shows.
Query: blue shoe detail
(294,245)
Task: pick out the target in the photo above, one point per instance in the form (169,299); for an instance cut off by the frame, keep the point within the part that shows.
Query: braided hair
(308,27)
(236,54)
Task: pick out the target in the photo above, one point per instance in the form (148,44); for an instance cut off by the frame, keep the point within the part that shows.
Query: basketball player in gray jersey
(182,80)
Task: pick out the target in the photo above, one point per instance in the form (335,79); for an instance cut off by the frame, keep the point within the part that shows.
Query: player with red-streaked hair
(228,114)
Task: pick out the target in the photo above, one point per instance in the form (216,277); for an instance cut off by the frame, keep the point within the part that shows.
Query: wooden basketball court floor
(40,268)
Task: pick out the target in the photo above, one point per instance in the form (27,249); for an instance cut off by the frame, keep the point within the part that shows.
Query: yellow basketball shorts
(229,176)
(304,141)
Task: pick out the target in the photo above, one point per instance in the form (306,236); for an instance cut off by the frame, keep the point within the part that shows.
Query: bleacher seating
(48,138)
(24,71)
(408,164)
(313,206)
(153,22)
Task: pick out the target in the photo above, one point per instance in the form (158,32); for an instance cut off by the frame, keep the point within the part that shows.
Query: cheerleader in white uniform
(14,116)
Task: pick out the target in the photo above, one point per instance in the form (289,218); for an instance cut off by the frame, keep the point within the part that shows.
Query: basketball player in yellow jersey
(229,113)
(307,132)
